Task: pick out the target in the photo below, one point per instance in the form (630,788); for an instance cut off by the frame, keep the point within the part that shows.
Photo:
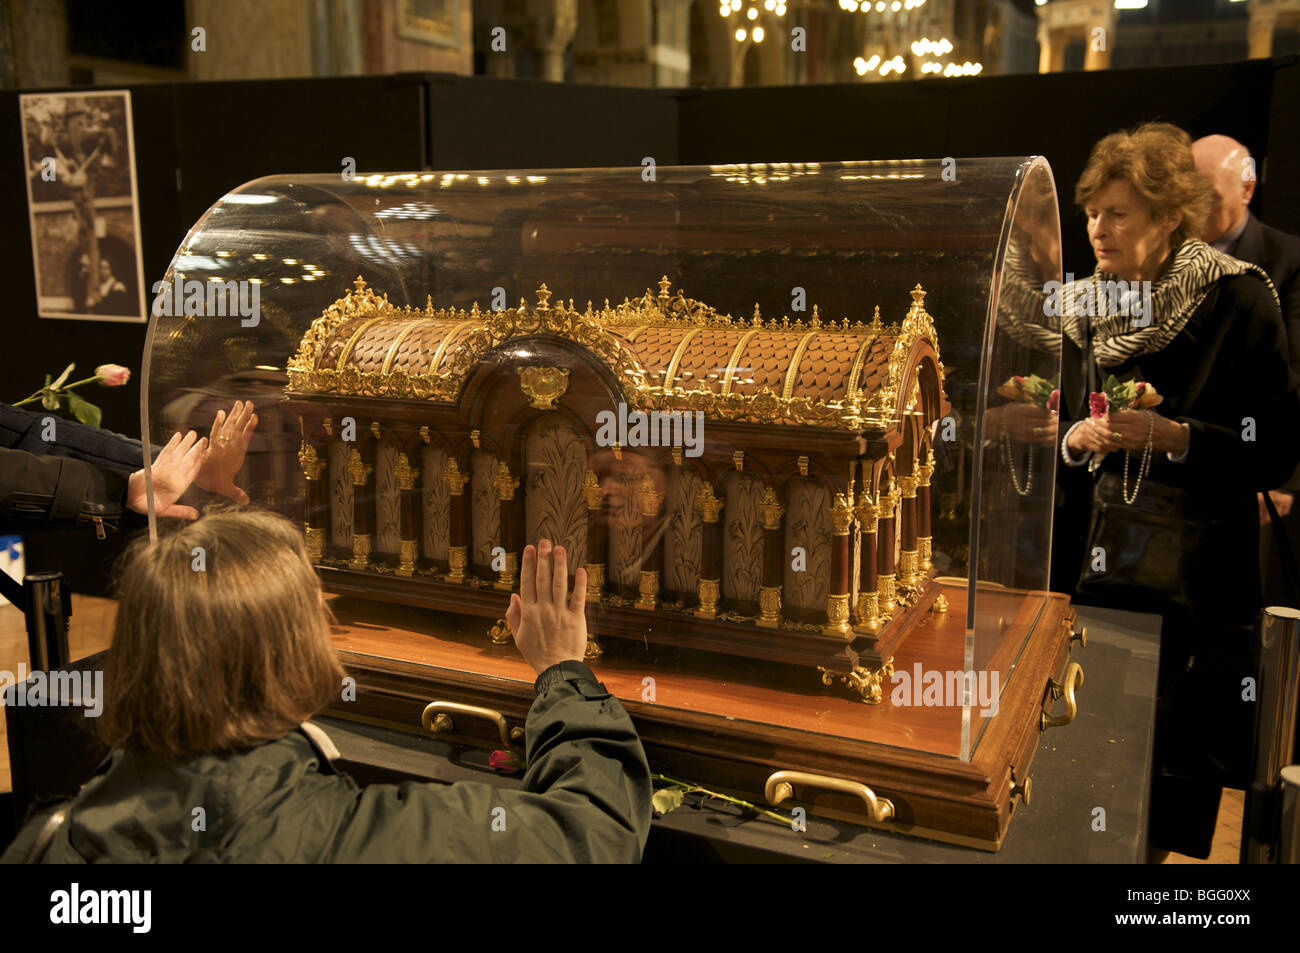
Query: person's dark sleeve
(1290,295)
(59,491)
(1254,386)
(23,429)
(585,797)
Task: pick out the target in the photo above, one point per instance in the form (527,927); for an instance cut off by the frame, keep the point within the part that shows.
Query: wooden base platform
(729,722)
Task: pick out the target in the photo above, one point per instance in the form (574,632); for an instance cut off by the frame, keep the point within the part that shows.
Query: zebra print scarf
(1117,334)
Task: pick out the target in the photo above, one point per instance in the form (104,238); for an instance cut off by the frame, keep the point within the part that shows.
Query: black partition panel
(480,122)
(1059,115)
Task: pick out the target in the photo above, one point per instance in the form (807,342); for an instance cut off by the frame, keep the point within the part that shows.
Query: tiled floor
(1226,847)
(92,627)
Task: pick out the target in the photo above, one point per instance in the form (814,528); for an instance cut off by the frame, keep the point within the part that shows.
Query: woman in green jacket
(214,674)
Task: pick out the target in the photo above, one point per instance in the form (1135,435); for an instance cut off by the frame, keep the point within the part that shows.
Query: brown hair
(1156,160)
(222,654)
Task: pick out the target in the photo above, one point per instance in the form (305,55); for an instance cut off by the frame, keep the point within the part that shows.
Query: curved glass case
(796,421)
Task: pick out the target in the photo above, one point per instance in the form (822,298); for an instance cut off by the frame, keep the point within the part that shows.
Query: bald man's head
(1231,170)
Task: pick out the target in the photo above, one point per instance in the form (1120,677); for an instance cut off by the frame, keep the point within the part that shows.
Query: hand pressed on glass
(174,470)
(549,626)
(230,437)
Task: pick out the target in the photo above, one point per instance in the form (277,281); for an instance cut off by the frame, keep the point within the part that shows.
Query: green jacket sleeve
(585,797)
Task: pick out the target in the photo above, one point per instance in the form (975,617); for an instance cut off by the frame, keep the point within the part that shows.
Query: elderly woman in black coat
(1172,527)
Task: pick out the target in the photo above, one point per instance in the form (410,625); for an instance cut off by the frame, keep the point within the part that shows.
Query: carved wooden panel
(485,506)
(684,536)
(554,507)
(435,503)
(340,494)
(624,523)
(387,500)
(808,525)
(742,538)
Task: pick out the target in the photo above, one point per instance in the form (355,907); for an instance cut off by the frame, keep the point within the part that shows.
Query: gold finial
(664,285)
(875,319)
(428,302)
(543,296)
(359,284)
(592,491)
(648,496)
(505,483)
(708,505)
(841,515)
(405,473)
(771,509)
(815,321)
(454,478)
(758,318)
(918,299)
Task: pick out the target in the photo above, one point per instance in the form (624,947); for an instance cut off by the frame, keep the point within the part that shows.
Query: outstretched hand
(549,625)
(228,443)
(174,470)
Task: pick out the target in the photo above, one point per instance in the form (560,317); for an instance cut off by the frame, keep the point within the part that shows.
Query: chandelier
(749,19)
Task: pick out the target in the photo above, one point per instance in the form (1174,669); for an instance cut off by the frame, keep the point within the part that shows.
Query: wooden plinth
(727,722)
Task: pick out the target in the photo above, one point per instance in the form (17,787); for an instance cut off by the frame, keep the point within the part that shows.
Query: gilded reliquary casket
(750,486)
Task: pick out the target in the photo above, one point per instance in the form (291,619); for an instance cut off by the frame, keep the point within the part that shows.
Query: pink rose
(1098,406)
(506,761)
(112,375)
(1054,401)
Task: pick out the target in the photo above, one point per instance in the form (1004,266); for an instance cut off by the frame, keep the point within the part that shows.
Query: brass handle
(1072,683)
(436,718)
(1023,790)
(1081,637)
(780,788)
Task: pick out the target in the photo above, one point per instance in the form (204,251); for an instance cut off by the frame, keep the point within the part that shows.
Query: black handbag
(1150,552)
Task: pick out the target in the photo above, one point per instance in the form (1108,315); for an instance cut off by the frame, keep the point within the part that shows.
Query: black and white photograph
(81,194)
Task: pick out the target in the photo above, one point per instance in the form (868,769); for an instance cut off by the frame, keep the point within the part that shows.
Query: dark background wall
(196,141)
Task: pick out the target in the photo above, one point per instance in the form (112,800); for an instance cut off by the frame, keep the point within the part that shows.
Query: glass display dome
(796,420)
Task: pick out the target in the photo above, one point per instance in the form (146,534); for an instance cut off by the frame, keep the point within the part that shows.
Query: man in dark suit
(1231,227)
